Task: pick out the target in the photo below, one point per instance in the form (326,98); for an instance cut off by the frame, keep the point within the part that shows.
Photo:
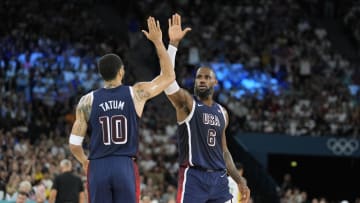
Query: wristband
(173,87)
(76,140)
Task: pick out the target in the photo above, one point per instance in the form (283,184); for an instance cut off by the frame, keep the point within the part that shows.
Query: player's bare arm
(79,129)
(183,103)
(231,168)
(147,90)
(181,99)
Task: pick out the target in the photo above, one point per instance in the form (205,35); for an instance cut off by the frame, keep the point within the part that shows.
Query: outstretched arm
(231,168)
(79,129)
(180,98)
(147,90)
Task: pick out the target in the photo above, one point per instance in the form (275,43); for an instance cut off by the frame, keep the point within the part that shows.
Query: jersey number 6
(211,138)
(115,128)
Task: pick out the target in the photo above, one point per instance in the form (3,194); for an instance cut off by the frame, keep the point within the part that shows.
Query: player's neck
(112,84)
(207,101)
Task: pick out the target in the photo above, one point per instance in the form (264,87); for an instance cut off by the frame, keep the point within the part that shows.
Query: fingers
(158,26)
(245,195)
(173,19)
(178,19)
(187,30)
(169,20)
(151,24)
(148,23)
(145,33)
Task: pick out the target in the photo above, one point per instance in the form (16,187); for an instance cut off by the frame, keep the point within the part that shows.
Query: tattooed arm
(146,90)
(80,127)
(231,168)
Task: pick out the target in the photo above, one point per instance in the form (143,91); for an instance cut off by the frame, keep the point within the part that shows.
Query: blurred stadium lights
(240,81)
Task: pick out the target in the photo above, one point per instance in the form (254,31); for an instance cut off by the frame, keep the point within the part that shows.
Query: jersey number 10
(114,129)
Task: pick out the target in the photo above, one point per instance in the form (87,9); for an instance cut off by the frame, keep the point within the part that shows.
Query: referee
(67,187)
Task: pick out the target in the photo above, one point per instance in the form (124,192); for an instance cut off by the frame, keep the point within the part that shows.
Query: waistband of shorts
(134,158)
(200,168)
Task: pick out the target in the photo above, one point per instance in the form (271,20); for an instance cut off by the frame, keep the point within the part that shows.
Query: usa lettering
(112,104)
(210,119)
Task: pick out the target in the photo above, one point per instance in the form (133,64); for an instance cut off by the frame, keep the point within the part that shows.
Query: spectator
(23,192)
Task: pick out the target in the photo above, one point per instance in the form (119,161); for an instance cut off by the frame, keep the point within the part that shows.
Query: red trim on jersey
(180,184)
(87,182)
(137,182)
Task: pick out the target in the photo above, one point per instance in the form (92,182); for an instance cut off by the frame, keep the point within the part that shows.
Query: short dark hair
(109,65)
(207,67)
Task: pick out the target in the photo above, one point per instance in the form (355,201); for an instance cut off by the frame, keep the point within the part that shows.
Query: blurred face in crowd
(22,197)
(146,199)
(204,82)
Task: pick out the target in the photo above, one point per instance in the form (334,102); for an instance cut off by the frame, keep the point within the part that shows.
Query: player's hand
(176,33)
(85,165)
(245,192)
(154,34)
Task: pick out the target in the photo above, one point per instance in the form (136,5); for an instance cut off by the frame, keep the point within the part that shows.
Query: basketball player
(203,154)
(113,113)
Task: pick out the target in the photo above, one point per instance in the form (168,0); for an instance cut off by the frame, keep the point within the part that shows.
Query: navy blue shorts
(113,179)
(201,186)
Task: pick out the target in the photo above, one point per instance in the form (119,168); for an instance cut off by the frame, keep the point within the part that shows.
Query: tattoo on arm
(84,107)
(141,94)
(230,166)
(80,125)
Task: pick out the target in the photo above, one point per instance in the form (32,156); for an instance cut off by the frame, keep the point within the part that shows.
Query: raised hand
(154,34)
(176,33)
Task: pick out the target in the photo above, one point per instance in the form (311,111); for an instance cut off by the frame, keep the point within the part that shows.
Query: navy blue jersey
(199,137)
(114,123)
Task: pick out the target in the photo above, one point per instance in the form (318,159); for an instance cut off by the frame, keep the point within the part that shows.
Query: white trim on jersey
(131,92)
(183,185)
(222,111)
(189,117)
(189,143)
(187,122)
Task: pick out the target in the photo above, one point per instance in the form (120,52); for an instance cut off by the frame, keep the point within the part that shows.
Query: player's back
(114,123)
(200,137)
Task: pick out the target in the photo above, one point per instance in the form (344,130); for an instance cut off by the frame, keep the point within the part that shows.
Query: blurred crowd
(291,193)
(352,22)
(48,53)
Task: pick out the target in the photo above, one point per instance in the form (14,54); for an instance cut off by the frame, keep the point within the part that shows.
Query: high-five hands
(176,33)
(154,34)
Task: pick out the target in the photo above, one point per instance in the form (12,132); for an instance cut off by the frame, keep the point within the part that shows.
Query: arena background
(288,74)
